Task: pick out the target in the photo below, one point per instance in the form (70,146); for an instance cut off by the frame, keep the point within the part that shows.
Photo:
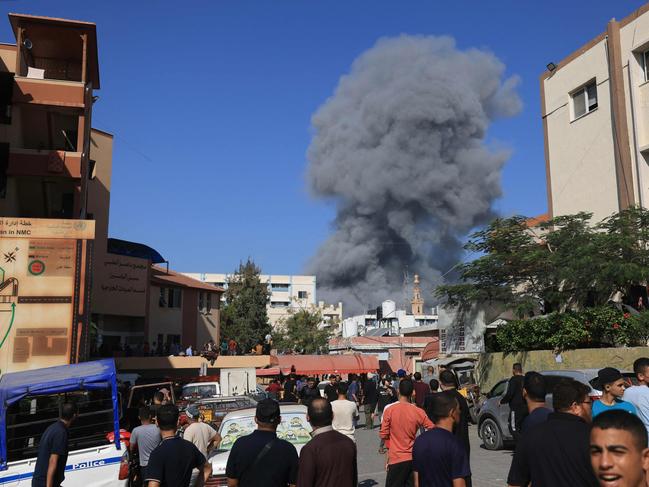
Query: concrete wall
(493,367)
(167,321)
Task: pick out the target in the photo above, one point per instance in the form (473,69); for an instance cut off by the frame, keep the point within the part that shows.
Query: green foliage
(565,264)
(301,333)
(244,315)
(602,326)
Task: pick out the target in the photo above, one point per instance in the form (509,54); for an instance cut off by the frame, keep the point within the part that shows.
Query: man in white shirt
(345,412)
(639,395)
(202,435)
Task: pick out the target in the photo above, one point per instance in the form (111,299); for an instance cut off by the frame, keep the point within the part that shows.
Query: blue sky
(210,103)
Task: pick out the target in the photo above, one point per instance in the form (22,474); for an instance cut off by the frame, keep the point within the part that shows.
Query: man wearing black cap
(261,458)
(612,385)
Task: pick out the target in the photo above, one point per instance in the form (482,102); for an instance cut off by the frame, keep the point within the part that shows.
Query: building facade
(596,122)
(288,294)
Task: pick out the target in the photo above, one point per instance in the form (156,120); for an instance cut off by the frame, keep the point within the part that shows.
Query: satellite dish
(28,44)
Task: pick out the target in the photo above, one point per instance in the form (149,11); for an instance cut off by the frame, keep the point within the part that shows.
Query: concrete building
(596,122)
(54,165)
(288,294)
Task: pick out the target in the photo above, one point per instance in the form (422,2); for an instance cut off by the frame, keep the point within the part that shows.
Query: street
(489,467)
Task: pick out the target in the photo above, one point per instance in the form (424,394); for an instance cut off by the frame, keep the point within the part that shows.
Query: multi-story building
(53,165)
(596,122)
(287,295)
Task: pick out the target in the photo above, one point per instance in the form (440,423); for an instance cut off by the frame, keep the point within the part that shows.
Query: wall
(167,321)
(581,152)
(493,367)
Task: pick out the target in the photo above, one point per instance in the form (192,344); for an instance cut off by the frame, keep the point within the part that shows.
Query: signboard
(44,291)
(119,285)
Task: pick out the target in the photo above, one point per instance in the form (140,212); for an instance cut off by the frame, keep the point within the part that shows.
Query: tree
(301,333)
(565,264)
(244,315)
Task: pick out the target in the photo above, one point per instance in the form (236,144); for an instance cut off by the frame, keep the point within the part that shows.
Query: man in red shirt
(421,390)
(401,423)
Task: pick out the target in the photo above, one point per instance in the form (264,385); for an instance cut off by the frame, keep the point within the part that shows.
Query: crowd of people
(423,433)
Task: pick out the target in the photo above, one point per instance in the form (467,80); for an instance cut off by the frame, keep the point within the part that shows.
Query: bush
(604,326)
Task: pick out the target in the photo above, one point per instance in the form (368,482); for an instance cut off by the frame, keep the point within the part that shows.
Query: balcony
(30,162)
(49,92)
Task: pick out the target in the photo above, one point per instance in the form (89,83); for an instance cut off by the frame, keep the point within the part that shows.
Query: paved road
(489,468)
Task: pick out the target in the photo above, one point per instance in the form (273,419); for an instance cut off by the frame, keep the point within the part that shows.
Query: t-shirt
(352,390)
(421,390)
(147,438)
(344,414)
(331,392)
(599,407)
(328,460)
(200,435)
(554,454)
(439,457)
(639,397)
(538,416)
(54,440)
(370,393)
(172,462)
(277,468)
(401,423)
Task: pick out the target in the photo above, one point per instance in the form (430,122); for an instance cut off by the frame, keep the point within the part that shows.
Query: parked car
(31,402)
(493,419)
(293,428)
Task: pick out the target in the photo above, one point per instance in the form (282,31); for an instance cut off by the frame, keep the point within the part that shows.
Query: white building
(288,294)
(388,321)
(596,122)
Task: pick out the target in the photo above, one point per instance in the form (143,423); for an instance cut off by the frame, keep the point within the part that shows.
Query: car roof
(224,399)
(283,409)
(201,384)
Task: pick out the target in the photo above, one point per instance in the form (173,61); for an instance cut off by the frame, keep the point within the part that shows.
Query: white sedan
(293,428)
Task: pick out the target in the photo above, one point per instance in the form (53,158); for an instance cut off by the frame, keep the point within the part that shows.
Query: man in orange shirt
(401,423)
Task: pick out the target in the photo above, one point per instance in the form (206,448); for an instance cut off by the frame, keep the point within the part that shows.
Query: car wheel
(491,435)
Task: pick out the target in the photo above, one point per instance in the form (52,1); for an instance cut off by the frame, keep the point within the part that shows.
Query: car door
(496,393)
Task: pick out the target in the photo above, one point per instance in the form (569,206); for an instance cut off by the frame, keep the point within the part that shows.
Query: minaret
(417,302)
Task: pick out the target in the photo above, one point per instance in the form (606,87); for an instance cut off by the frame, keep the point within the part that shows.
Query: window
(209,302)
(163,297)
(645,68)
(499,389)
(279,304)
(279,287)
(170,297)
(584,100)
(302,294)
(201,300)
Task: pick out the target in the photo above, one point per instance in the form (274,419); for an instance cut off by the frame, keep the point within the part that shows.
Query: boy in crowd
(612,385)
(618,449)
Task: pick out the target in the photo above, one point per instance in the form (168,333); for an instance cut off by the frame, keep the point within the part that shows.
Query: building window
(279,287)
(174,297)
(201,300)
(584,100)
(279,304)
(208,301)
(645,68)
(302,294)
(163,297)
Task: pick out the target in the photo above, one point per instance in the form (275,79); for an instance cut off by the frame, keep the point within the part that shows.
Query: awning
(134,249)
(268,372)
(14,386)
(431,350)
(329,364)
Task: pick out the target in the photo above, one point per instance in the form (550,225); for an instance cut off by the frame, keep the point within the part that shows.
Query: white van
(201,390)
(96,457)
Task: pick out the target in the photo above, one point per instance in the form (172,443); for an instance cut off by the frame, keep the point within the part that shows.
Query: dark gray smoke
(400,147)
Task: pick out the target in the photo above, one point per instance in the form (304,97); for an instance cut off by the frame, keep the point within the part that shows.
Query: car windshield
(202,391)
(294,428)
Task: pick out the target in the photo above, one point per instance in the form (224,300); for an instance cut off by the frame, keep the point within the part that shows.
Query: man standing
(145,438)
(290,389)
(555,453)
(331,389)
(232,347)
(329,459)
(202,435)
(639,395)
(353,391)
(449,383)
(421,390)
(261,458)
(618,449)
(514,397)
(439,458)
(534,394)
(53,450)
(612,385)
(172,462)
(345,413)
(401,423)
(370,399)
(309,392)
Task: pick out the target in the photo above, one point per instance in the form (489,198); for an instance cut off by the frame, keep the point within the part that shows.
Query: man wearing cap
(202,435)
(261,458)
(612,385)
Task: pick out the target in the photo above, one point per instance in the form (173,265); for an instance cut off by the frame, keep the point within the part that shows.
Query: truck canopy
(100,374)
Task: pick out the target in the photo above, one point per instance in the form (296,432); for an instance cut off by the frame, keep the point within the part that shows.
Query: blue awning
(134,249)
(100,374)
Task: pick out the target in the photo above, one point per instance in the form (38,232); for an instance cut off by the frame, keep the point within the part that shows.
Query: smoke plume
(400,147)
